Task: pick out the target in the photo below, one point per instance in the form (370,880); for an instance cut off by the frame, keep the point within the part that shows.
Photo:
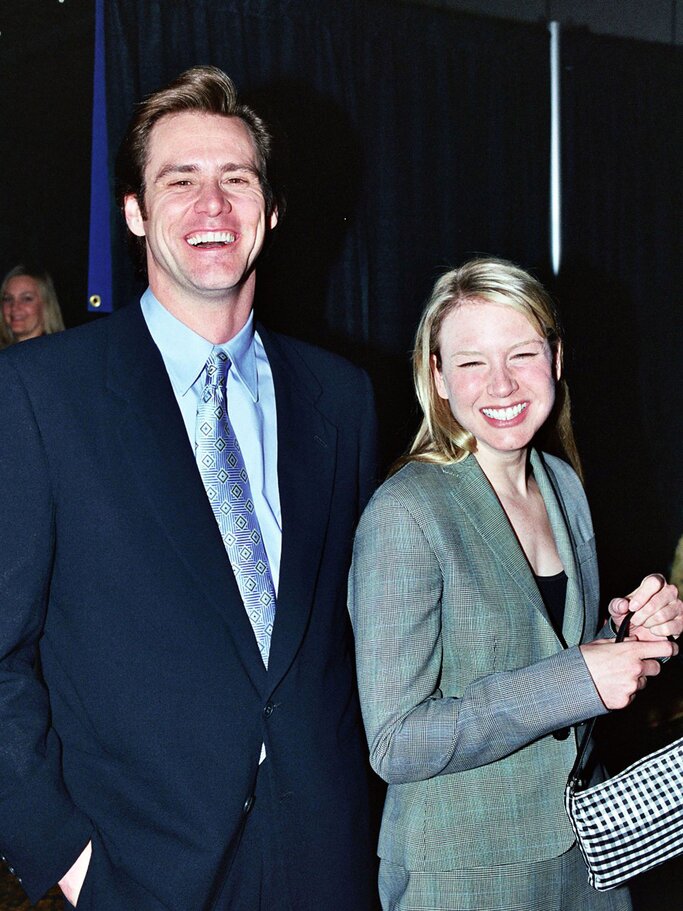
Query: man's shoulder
(307,353)
(121,322)
(328,373)
(77,357)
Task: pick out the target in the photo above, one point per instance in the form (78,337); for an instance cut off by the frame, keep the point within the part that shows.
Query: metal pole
(555,148)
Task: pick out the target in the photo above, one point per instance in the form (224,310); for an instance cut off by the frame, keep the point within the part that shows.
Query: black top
(553,590)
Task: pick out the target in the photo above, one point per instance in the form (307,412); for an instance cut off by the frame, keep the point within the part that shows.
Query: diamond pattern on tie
(221,466)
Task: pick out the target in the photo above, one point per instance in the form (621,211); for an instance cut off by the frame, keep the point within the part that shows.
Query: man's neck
(216,319)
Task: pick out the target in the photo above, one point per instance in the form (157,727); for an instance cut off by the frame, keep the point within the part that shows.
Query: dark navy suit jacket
(145,736)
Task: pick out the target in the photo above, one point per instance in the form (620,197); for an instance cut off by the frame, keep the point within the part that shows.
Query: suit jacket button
(562,734)
(269,709)
(248,804)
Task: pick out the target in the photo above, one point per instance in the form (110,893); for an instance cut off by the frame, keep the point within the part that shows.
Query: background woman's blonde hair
(440,437)
(52,315)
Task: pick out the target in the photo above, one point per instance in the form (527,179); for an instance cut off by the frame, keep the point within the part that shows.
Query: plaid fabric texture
(461,675)
(632,822)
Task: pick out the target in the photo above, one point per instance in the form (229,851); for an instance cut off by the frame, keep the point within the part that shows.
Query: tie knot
(217,367)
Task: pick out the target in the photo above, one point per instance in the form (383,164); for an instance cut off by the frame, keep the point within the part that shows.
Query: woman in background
(474,599)
(29,305)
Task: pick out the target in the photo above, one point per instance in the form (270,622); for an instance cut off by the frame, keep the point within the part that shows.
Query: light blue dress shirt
(251,406)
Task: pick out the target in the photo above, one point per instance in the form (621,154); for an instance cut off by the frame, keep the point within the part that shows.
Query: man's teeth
(504,414)
(211,237)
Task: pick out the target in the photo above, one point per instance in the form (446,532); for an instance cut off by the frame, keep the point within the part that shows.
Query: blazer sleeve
(41,831)
(415,731)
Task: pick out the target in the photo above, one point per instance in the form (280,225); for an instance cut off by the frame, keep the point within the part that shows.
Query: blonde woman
(474,599)
(29,305)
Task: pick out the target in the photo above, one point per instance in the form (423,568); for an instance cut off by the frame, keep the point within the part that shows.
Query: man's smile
(201,238)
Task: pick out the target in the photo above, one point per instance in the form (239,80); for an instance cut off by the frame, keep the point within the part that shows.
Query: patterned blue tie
(225,478)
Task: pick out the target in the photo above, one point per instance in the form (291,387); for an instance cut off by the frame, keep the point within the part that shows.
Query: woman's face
(498,374)
(22,307)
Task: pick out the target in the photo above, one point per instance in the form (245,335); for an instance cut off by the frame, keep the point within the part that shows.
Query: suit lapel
(161,462)
(307,444)
(574,609)
(479,502)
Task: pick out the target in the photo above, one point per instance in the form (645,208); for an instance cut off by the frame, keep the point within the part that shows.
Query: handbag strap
(577,770)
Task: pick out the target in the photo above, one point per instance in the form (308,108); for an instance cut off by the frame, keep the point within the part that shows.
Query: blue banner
(99,260)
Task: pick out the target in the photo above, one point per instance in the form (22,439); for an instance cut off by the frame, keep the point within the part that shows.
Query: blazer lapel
(574,609)
(161,462)
(479,502)
(306,463)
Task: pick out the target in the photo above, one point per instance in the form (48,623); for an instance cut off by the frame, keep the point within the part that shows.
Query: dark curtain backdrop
(621,291)
(46,59)
(413,137)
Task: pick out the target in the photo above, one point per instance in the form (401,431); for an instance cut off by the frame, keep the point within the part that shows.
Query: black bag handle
(576,772)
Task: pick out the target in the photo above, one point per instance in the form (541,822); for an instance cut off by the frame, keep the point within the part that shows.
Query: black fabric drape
(620,292)
(45,101)
(414,137)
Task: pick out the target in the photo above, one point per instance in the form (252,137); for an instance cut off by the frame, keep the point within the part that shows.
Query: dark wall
(621,289)
(46,59)
(362,243)
(414,137)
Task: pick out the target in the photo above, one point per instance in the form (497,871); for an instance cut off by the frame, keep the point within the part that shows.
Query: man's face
(205,215)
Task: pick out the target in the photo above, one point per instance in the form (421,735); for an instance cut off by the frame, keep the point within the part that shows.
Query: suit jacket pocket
(84,896)
(108,888)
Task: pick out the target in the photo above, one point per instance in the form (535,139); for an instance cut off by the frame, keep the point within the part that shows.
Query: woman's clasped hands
(620,670)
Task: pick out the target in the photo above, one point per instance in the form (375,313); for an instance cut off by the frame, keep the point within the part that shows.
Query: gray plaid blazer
(465,686)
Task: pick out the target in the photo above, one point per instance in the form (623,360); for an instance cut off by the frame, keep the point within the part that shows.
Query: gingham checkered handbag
(632,822)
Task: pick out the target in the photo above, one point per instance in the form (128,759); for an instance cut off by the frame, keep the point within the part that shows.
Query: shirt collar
(185,352)
(242,354)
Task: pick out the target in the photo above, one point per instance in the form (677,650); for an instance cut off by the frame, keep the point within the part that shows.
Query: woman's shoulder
(413,498)
(417,472)
(418,484)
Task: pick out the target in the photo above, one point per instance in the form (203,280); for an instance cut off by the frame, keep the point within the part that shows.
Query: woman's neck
(507,472)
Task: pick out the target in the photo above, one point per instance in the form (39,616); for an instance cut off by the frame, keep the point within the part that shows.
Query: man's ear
(272,218)
(134,219)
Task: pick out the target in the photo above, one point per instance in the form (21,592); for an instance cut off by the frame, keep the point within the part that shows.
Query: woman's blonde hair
(441,438)
(52,315)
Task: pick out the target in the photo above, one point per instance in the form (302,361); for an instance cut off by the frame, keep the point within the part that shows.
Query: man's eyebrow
(227,168)
(233,166)
(173,168)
